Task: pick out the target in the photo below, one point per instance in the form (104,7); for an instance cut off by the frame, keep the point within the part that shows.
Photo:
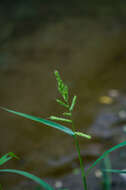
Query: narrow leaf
(4,159)
(62,103)
(30,176)
(115,171)
(73,103)
(105,154)
(43,121)
(7,157)
(83,135)
(60,119)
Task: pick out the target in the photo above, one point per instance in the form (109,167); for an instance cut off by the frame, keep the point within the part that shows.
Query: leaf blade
(5,158)
(115,171)
(43,121)
(30,176)
(105,154)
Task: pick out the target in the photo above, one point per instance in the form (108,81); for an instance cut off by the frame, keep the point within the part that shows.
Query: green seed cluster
(63,89)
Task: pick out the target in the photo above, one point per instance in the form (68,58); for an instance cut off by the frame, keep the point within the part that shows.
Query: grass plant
(67,117)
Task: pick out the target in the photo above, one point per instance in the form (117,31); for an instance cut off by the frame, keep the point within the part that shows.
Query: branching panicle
(63,89)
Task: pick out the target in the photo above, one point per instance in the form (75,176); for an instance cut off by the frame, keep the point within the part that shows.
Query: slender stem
(80,159)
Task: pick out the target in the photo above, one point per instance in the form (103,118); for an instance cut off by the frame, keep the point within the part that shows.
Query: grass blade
(30,176)
(105,154)
(115,171)
(7,157)
(43,121)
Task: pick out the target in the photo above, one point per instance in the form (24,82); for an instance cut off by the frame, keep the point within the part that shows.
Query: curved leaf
(30,176)
(105,154)
(7,157)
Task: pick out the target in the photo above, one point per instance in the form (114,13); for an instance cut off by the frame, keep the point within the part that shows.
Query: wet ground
(89,51)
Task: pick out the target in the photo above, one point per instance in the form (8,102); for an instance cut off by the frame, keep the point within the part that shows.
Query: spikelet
(63,89)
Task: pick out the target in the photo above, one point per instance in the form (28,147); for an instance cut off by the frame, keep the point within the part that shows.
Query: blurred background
(85,42)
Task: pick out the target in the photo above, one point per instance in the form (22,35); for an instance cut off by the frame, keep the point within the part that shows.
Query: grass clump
(66,117)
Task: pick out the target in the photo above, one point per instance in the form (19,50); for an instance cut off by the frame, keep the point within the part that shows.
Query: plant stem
(80,159)
(107,178)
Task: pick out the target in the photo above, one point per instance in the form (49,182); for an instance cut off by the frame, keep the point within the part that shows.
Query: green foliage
(105,154)
(63,90)
(30,176)
(43,121)
(115,171)
(46,122)
(11,155)
(7,157)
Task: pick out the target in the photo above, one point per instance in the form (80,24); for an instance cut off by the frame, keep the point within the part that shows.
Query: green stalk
(107,178)
(80,158)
